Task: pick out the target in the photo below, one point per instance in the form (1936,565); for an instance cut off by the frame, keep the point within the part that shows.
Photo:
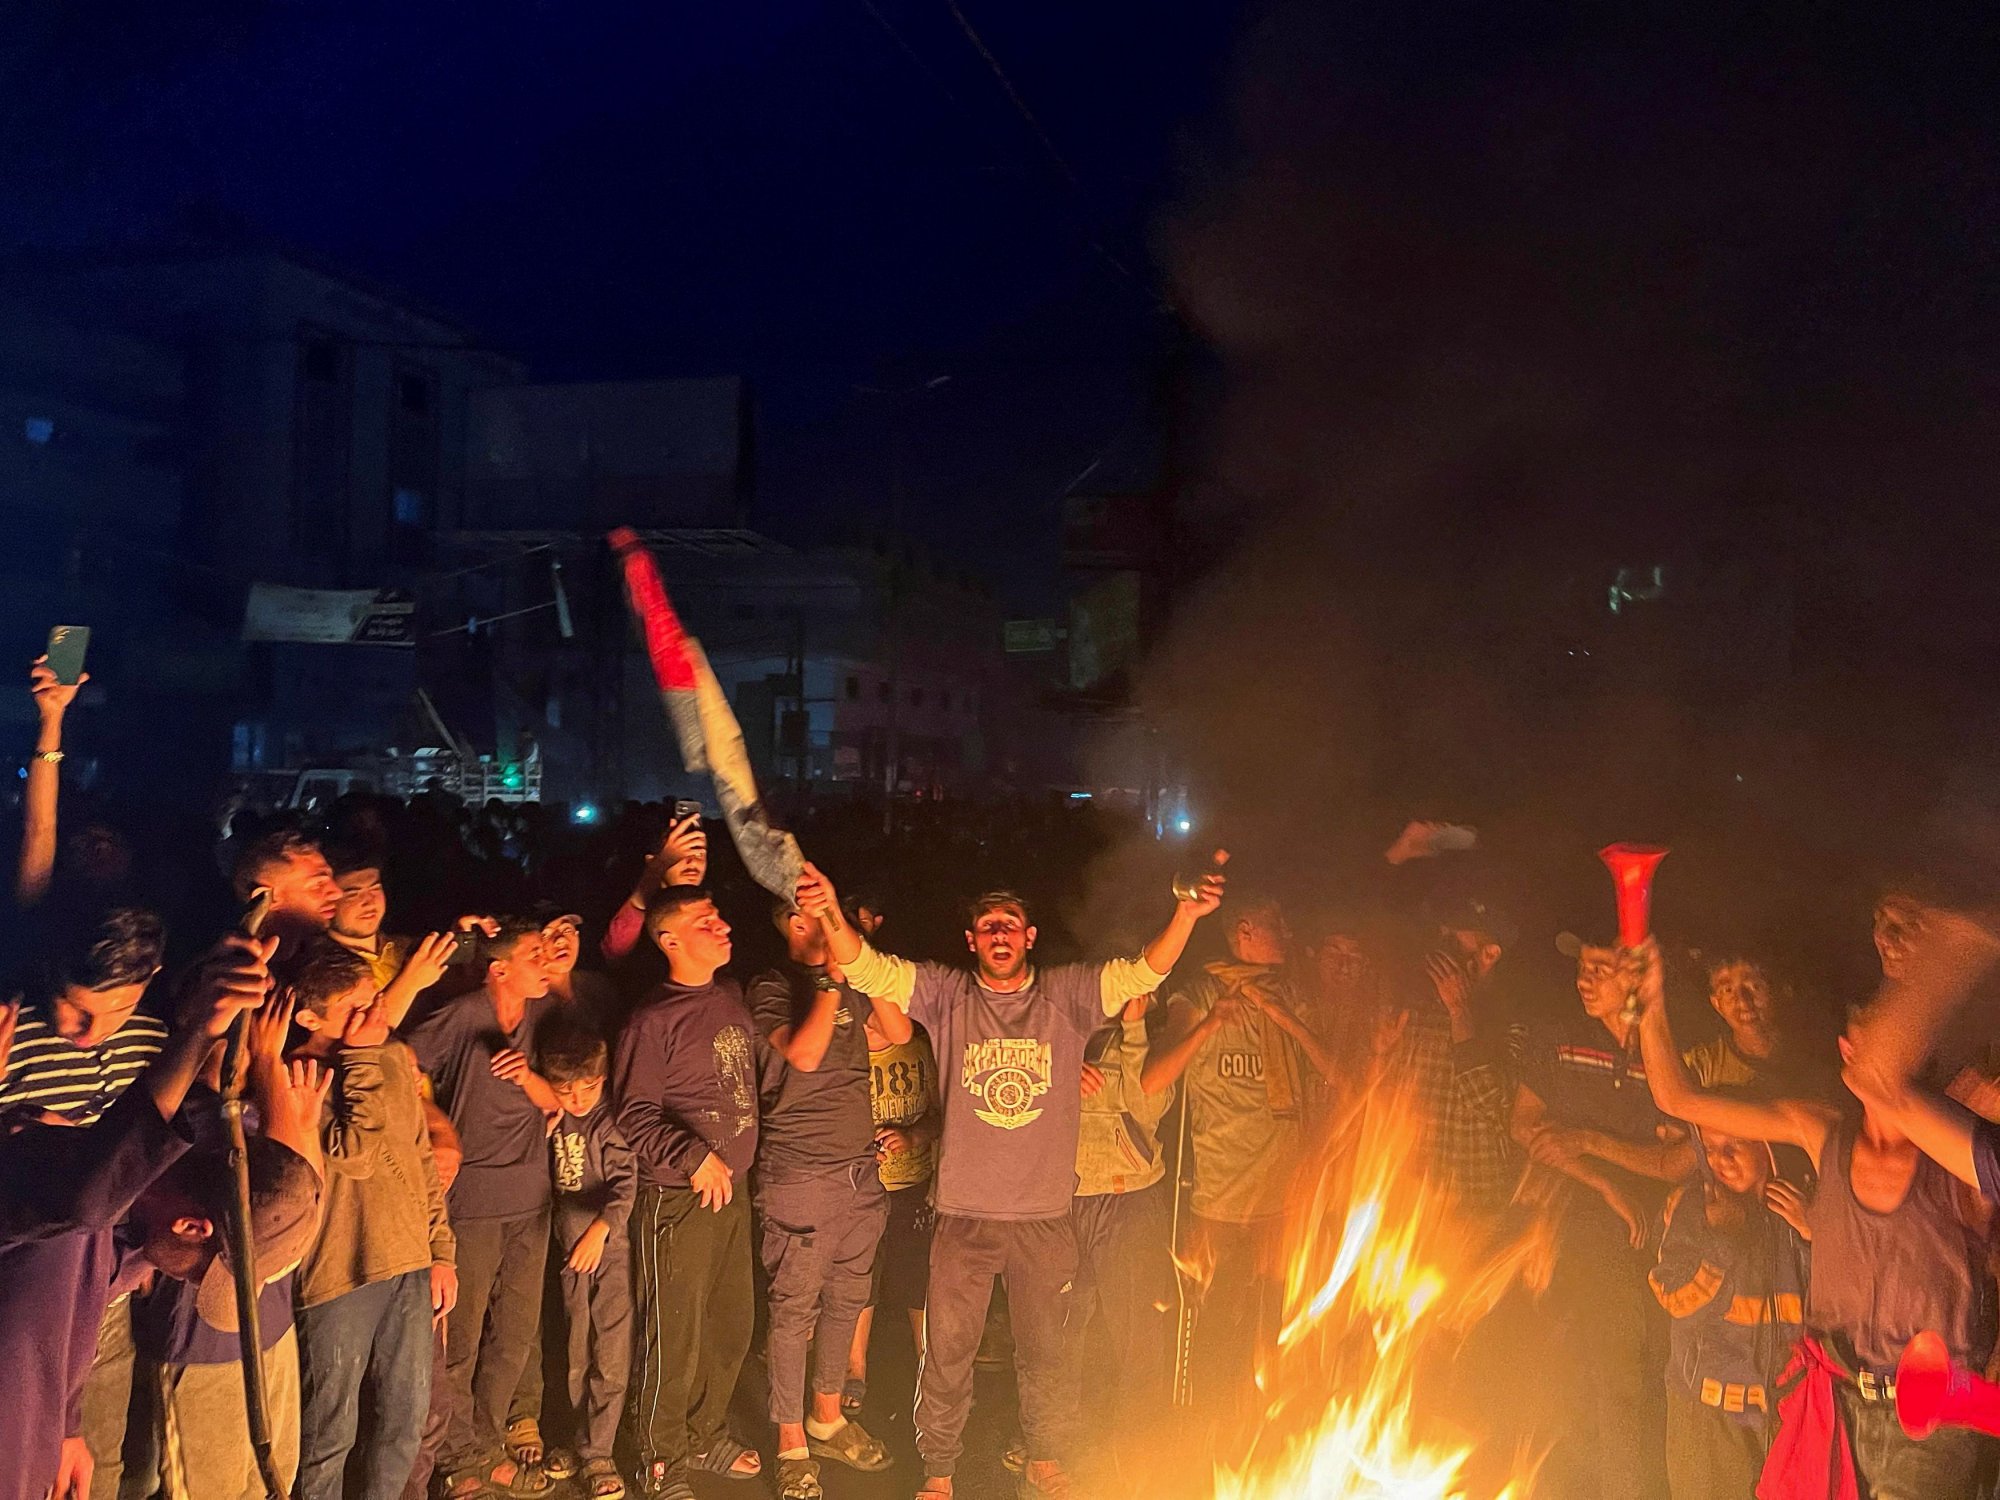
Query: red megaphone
(1632,867)
(1932,1393)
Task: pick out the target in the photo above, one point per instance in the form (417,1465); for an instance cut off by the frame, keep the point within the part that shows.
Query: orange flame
(1383,1273)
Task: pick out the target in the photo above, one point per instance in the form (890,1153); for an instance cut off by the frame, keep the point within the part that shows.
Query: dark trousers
(1238,1314)
(376,1338)
(1711,1455)
(1611,1338)
(1892,1465)
(819,1240)
(1125,1277)
(692,1270)
(598,1310)
(492,1333)
(1037,1260)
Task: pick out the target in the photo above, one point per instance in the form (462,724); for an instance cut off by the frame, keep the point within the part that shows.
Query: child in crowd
(596,1179)
(1732,1276)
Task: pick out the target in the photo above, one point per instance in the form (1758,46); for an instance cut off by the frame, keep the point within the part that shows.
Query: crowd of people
(532,1168)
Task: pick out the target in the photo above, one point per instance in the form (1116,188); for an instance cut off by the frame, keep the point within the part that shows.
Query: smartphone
(684,809)
(67,643)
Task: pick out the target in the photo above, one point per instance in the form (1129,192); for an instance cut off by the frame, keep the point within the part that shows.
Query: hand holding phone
(67,645)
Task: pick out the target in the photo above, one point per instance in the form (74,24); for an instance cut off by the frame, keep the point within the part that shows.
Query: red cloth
(622,936)
(1810,1458)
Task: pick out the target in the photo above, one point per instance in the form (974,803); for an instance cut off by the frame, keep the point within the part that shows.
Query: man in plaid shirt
(1461,1058)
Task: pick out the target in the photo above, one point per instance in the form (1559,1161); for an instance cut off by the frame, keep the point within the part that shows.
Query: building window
(38,430)
(853,688)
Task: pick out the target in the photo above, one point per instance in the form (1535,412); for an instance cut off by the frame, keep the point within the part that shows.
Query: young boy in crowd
(475,1051)
(384,1264)
(595,1181)
(187,1327)
(686,1085)
(1895,1250)
(903,1102)
(1732,1277)
(819,1196)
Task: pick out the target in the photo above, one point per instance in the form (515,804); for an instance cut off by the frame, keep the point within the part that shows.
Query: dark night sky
(826,194)
(822,194)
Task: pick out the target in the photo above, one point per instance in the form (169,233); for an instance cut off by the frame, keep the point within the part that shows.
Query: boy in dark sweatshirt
(1732,1276)
(595,1178)
(685,1085)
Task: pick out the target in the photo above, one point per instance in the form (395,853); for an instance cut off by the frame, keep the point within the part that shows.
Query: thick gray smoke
(1498,314)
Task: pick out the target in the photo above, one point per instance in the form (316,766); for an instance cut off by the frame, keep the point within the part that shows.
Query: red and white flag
(710,738)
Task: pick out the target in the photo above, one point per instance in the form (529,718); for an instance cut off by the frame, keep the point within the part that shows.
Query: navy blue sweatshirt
(63,1189)
(685,1083)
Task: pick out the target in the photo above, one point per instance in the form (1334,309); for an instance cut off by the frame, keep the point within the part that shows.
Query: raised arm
(38,797)
(802,1046)
(1793,1122)
(882,977)
(423,968)
(1164,1065)
(681,859)
(1165,950)
(1943,1129)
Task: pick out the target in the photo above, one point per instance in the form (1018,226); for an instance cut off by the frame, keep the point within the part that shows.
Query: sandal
(524,1441)
(725,1456)
(851,1445)
(603,1478)
(528,1483)
(466,1484)
(561,1464)
(853,1392)
(798,1479)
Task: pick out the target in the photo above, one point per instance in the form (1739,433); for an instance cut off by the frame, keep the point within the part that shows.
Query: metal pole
(242,1244)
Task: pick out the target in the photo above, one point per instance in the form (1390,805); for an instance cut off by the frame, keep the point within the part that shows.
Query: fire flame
(1384,1277)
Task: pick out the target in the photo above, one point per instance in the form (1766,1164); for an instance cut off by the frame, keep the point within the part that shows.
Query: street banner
(330,617)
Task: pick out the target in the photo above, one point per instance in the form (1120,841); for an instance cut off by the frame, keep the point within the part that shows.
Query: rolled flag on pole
(710,738)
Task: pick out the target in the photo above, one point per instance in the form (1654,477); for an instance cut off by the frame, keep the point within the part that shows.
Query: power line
(1048,144)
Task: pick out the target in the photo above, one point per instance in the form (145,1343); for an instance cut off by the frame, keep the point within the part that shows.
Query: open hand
(714,1184)
(270,1028)
(588,1253)
(308,1084)
(511,1064)
(1635,1222)
(428,960)
(1449,979)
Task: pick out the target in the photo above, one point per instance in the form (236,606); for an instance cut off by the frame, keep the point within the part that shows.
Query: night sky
(823,196)
(1792,212)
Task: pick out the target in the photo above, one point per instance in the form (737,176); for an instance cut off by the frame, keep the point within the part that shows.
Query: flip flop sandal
(466,1484)
(524,1441)
(1015,1459)
(798,1479)
(723,1457)
(852,1393)
(602,1476)
(851,1445)
(561,1463)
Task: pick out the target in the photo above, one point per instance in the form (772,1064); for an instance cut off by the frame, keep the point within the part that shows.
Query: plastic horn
(1632,867)
(1932,1393)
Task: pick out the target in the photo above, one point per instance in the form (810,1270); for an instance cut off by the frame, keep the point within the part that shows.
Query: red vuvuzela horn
(1931,1392)
(1632,867)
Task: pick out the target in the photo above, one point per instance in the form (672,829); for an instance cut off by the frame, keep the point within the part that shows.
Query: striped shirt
(46,1071)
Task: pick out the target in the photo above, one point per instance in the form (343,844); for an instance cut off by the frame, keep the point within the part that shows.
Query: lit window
(38,430)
